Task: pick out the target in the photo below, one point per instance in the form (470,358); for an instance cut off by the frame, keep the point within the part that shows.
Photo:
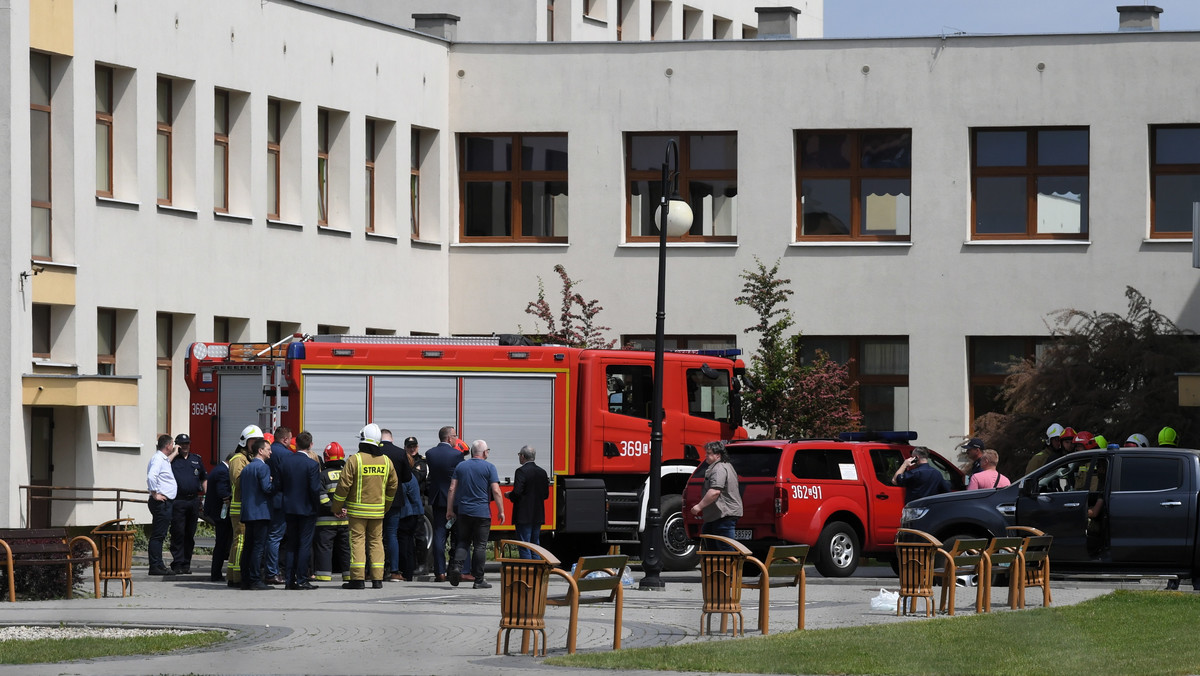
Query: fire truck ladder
(624,515)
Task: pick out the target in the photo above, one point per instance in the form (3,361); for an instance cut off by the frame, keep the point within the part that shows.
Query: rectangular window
(323,167)
(1029,183)
(707,181)
(41,331)
(39,155)
(815,464)
(221,151)
(221,330)
(514,179)
(415,185)
(679,342)
(1174,180)
(369,176)
(274,135)
(854,184)
(630,390)
(165,118)
(879,366)
(989,361)
(104,131)
(106,365)
(165,348)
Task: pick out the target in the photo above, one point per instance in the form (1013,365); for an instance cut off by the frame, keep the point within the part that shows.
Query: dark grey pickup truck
(1129,511)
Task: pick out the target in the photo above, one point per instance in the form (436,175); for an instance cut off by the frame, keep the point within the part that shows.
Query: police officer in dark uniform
(192,480)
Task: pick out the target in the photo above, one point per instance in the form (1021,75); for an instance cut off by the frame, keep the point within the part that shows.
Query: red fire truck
(587,413)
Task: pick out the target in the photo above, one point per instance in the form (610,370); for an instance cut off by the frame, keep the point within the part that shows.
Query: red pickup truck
(836,496)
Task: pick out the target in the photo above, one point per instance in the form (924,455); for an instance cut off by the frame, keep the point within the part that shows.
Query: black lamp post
(674,218)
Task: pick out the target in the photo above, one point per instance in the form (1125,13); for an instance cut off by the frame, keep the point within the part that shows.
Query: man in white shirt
(160,481)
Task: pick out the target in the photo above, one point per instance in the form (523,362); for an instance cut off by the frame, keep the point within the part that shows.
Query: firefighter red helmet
(1085,439)
(334,451)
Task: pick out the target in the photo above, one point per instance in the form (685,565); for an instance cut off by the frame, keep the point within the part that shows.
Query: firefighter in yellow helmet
(241,457)
(364,494)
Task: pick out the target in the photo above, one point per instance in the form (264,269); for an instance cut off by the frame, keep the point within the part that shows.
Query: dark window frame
(516,176)
(1157,170)
(1031,171)
(855,173)
(686,174)
(975,379)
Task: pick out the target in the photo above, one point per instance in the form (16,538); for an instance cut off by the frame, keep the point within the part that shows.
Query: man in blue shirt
(191,480)
(918,477)
(473,485)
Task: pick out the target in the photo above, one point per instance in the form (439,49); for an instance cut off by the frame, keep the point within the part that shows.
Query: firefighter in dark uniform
(364,493)
(241,458)
(331,546)
(192,480)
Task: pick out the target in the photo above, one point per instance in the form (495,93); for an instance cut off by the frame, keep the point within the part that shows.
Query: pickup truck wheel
(837,550)
(679,552)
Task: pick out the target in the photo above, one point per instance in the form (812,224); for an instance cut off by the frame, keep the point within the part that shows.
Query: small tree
(786,397)
(1105,373)
(574,324)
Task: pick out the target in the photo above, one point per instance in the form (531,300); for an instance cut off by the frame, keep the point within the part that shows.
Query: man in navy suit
(302,498)
(216,512)
(531,487)
(256,491)
(442,459)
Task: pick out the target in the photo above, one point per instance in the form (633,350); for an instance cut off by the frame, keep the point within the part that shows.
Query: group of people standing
(284,517)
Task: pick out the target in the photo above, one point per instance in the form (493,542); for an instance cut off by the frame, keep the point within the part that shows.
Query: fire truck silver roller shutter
(509,412)
(241,403)
(416,405)
(335,408)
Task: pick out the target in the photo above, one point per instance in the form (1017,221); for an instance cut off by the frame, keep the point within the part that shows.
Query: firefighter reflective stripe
(364,486)
(236,464)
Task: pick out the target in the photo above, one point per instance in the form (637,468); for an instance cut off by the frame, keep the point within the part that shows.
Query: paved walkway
(429,628)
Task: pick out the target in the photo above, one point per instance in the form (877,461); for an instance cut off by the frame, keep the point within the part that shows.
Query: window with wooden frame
(274,132)
(42,341)
(165,118)
(104,131)
(854,184)
(369,175)
(165,348)
(878,365)
(989,360)
(514,187)
(550,20)
(1029,183)
(707,181)
(221,151)
(322,167)
(1174,180)
(39,156)
(106,365)
(414,192)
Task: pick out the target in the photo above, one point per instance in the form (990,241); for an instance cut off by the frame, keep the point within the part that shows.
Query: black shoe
(307,586)
(231,583)
(454,577)
(291,586)
(354,584)
(216,578)
(260,587)
(481,584)
(161,571)
(1172,585)
(186,570)
(275,579)
(376,584)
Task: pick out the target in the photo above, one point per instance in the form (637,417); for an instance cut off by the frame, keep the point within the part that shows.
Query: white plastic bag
(626,575)
(886,600)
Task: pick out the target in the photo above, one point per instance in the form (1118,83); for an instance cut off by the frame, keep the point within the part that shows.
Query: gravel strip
(30,633)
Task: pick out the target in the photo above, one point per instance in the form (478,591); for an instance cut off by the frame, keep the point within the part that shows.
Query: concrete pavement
(433,628)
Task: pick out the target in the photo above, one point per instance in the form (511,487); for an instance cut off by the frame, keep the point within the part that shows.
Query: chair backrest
(915,561)
(1023,531)
(1037,550)
(913,535)
(967,551)
(709,540)
(786,560)
(1005,551)
(509,550)
(611,564)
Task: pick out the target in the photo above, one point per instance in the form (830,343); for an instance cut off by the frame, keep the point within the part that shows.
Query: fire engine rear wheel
(679,552)
(837,550)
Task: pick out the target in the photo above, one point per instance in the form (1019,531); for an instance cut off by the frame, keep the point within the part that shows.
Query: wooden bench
(45,547)
(784,567)
(578,582)
(115,541)
(721,583)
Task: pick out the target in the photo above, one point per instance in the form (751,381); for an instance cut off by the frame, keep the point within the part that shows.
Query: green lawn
(1122,633)
(59,650)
